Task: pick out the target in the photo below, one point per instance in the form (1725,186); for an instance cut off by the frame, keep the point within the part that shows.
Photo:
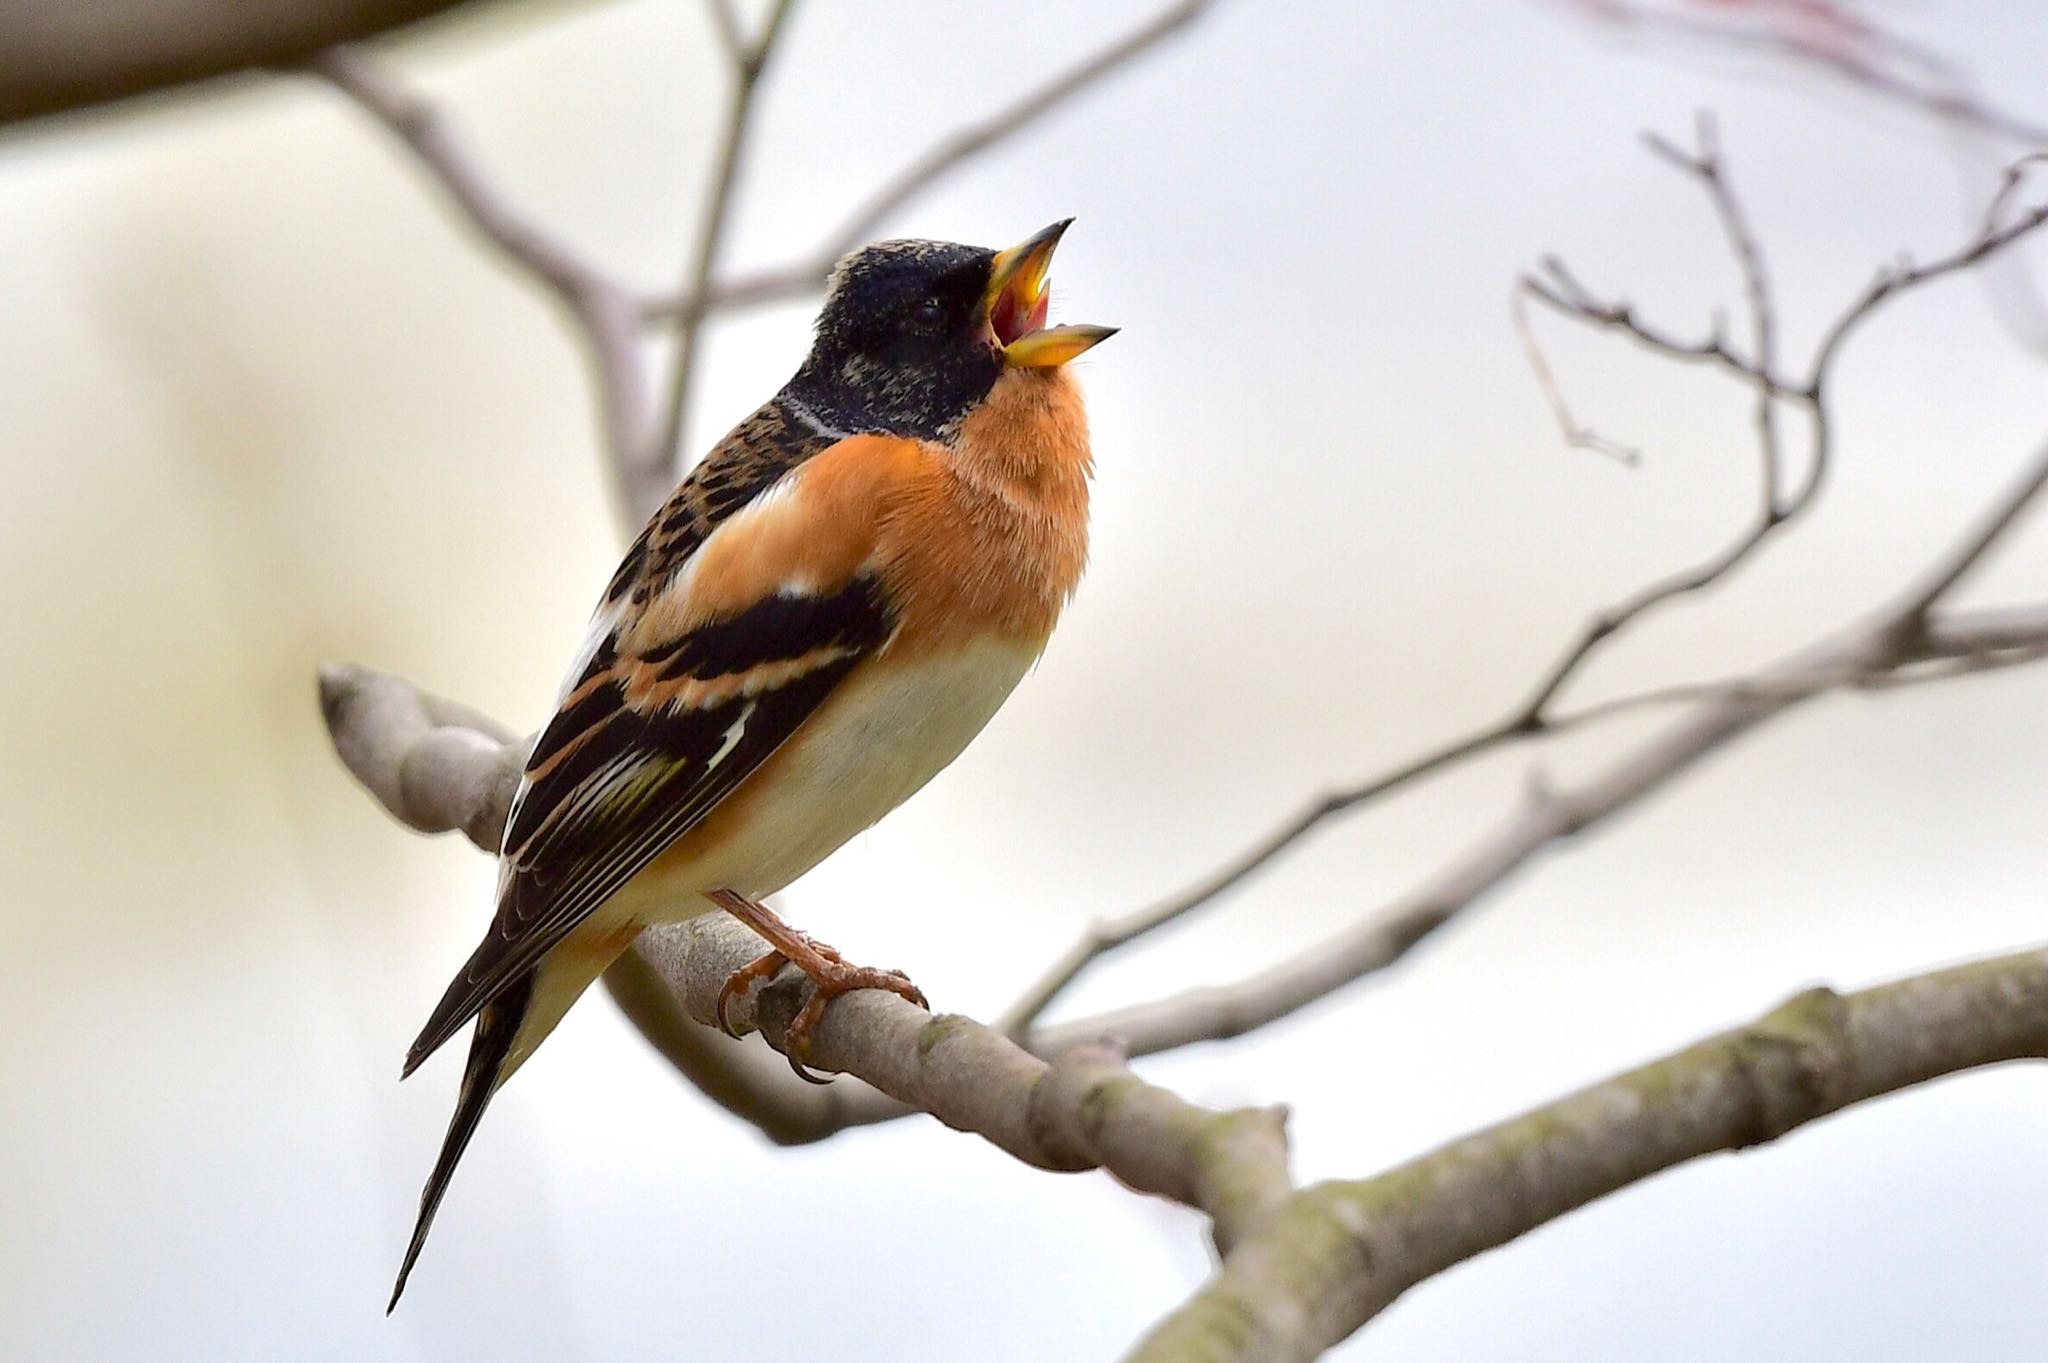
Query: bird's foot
(827,970)
(839,978)
(760,968)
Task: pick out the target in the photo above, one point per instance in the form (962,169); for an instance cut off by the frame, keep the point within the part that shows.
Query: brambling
(830,606)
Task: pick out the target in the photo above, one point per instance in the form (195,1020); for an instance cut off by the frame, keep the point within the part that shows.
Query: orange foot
(829,974)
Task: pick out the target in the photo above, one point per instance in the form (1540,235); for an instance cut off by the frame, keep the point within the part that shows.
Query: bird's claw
(737,983)
(828,985)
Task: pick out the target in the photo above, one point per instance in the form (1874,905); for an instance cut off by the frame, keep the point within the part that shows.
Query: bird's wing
(695,672)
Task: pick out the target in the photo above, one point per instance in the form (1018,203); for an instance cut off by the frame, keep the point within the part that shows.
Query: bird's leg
(829,973)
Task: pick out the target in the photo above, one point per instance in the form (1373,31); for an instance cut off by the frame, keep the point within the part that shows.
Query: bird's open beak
(1016,304)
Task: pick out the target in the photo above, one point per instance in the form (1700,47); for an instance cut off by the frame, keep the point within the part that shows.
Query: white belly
(878,740)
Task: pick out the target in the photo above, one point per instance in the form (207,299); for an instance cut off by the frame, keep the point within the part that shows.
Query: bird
(829,607)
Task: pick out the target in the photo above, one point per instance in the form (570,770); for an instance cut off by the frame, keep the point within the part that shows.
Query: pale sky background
(266,405)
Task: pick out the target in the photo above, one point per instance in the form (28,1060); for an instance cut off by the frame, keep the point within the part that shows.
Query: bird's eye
(929,312)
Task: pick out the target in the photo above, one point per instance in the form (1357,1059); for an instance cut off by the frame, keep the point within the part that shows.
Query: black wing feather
(624,785)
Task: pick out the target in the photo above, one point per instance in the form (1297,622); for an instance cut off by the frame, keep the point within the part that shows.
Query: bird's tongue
(1011,318)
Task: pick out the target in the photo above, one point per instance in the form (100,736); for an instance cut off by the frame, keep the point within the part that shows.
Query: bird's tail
(497,1027)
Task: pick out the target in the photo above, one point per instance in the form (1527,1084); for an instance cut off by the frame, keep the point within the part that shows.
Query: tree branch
(602,312)
(1082,1110)
(1824,36)
(1560,290)
(58,55)
(1889,647)
(1300,1271)
(439,767)
(655,469)
(955,149)
(1339,1253)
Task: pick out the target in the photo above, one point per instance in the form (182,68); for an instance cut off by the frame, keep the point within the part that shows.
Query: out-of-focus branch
(1865,658)
(750,61)
(726,24)
(1832,39)
(57,55)
(1904,643)
(1560,290)
(641,430)
(1337,1254)
(436,765)
(602,312)
(954,150)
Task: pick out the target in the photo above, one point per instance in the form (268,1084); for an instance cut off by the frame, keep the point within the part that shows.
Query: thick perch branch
(441,767)
(1300,1270)
(1082,1110)
(1339,1253)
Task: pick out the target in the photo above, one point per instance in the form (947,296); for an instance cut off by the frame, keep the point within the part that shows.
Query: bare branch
(602,312)
(1894,280)
(441,767)
(1882,653)
(727,25)
(1338,1254)
(751,1082)
(1531,717)
(1561,291)
(79,53)
(958,147)
(1084,1110)
(436,765)
(641,442)
(1301,1270)
(660,459)
(1846,46)
(1576,434)
(1955,565)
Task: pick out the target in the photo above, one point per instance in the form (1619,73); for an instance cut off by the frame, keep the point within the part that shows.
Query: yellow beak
(1017,301)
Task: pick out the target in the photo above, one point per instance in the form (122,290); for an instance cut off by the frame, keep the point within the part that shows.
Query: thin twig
(1706,164)
(1955,565)
(1576,433)
(963,144)
(1856,54)
(726,25)
(1563,292)
(602,312)
(1895,639)
(1894,280)
(660,460)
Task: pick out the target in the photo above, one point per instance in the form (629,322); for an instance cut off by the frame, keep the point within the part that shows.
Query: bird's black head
(915,333)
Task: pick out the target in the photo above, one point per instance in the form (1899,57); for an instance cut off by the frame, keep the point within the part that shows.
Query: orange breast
(990,534)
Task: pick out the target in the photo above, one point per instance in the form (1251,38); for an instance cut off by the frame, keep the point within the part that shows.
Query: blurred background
(266,404)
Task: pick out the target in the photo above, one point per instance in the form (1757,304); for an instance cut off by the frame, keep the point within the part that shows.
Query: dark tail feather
(461,1002)
(496,1027)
